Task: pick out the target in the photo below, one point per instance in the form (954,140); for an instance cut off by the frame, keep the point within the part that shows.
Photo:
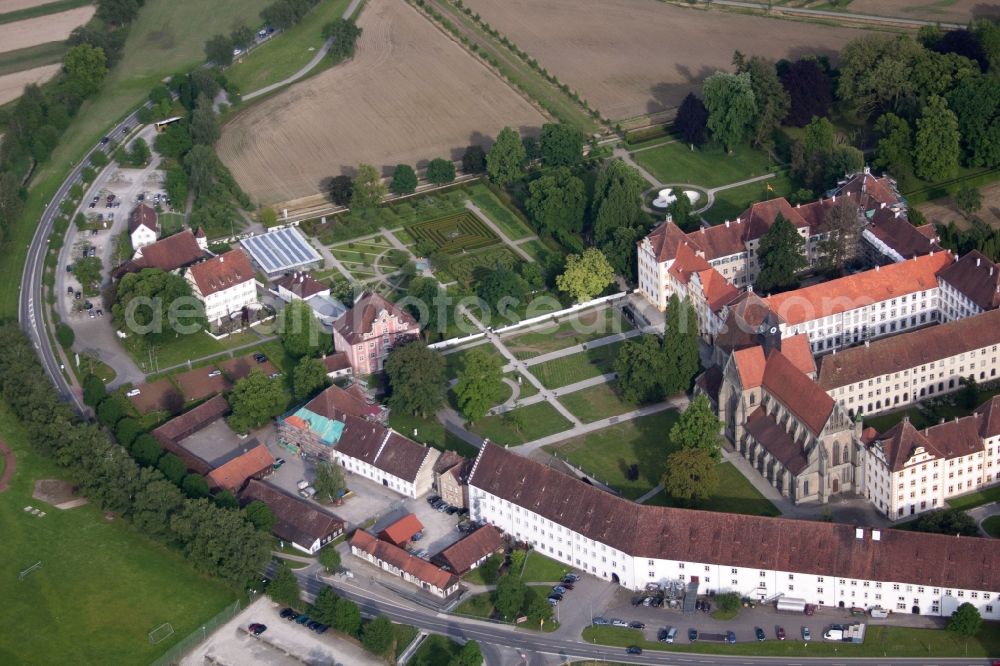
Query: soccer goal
(163,631)
(24,573)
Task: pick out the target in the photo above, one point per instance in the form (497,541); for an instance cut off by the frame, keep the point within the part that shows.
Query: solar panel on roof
(280,250)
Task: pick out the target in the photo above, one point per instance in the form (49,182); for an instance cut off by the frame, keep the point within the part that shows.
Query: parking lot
(282,644)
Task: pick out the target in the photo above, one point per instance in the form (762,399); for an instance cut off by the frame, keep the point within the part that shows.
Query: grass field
(435,649)
(430,432)
(527,388)
(171,223)
(735,495)
(183,349)
(879,641)
(512,225)
(569,332)
(730,203)
(287,52)
(541,569)
(455,361)
(973,500)
(167,37)
(538,420)
(101,587)
(597,402)
(31,57)
(992,526)
(577,367)
(708,167)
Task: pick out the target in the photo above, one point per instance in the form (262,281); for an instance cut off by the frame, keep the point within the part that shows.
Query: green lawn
(527,388)
(607,454)
(538,420)
(168,36)
(568,332)
(879,641)
(577,367)
(707,167)
(504,217)
(404,635)
(171,223)
(31,57)
(541,569)
(184,348)
(992,526)
(973,500)
(478,605)
(735,495)
(430,432)
(101,587)
(596,403)
(436,649)
(287,52)
(730,203)
(454,361)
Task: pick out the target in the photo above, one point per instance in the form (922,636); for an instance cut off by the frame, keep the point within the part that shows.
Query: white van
(671,635)
(880,613)
(302,485)
(834,634)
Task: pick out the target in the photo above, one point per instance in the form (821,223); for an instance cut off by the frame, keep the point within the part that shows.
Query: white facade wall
(891,391)
(954,304)
(605,562)
(653,277)
(227,301)
(369,471)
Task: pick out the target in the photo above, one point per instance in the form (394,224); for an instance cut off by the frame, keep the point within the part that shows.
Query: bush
(195,486)
(146,450)
(172,467)
(127,430)
(65,336)
(93,390)
(110,411)
(440,171)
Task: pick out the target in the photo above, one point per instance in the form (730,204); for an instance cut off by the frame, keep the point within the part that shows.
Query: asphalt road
(571,650)
(31,300)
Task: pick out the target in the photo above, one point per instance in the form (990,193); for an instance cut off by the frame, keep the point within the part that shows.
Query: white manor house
(914,326)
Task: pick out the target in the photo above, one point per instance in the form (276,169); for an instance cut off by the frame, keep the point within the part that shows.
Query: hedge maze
(455,234)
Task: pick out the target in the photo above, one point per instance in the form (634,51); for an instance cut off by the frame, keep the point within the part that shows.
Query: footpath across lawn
(101,587)
(532,422)
(577,367)
(708,167)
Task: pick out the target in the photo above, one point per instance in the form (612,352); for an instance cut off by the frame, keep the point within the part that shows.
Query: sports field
(101,587)
(410,94)
(633,57)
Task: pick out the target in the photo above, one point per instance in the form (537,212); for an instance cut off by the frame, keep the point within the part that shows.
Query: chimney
(877,268)
(222,259)
(798,205)
(882,205)
(833,199)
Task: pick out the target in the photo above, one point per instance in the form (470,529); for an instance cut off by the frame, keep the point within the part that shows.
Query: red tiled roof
(355,324)
(776,440)
(989,424)
(896,232)
(686,263)
(142,216)
(192,420)
(796,349)
(383,448)
(718,292)
(859,290)
(909,350)
(233,474)
(951,439)
(975,276)
(735,540)
(402,530)
(222,272)
(800,394)
(461,555)
(336,362)
(302,285)
(168,254)
(664,240)
(296,520)
(397,557)
(336,403)
(750,363)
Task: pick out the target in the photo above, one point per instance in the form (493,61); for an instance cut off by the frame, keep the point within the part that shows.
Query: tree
(111,410)
(843,225)
(300,332)
(224,499)
(284,587)
(731,107)
(11,202)
(976,102)
(329,481)
(440,171)
(968,199)
(469,655)
(255,399)
(377,635)
(138,153)
(729,602)
(780,256)
(93,390)
(65,336)
(154,504)
(479,383)
(770,97)
(586,275)
(691,121)
(937,141)
(510,595)
(117,12)
(219,50)
(946,521)
(561,145)
(324,609)
(368,188)
(810,91)
(86,67)
(195,486)
(618,217)
(329,557)
(127,429)
(347,617)
(474,160)
(489,570)
(260,515)
(639,368)
(698,428)
(340,189)
(308,378)
(146,305)
(268,217)
(556,202)
(679,346)
(146,450)
(416,379)
(242,36)
(404,180)
(691,475)
(895,145)
(172,467)
(501,288)
(965,620)
(204,124)
(426,298)
(875,72)
(681,212)
(343,34)
(504,160)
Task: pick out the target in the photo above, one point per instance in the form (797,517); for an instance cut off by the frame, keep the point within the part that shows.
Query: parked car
(302,619)
(78,295)
(619,623)
(100,313)
(321,629)
(553,602)
(260,358)
(559,589)
(636,625)
(760,633)
(633,649)
(780,633)
(132,393)
(278,463)
(556,596)
(670,635)
(730,637)
(287,613)
(568,586)
(433,498)
(313,624)
(599,621)
(692,635)
(69,290)
(806,634)
(257,628)
(215,373)
(451,510)
(69,268)
(571,577)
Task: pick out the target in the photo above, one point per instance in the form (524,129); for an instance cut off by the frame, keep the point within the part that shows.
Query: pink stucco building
(369,330)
